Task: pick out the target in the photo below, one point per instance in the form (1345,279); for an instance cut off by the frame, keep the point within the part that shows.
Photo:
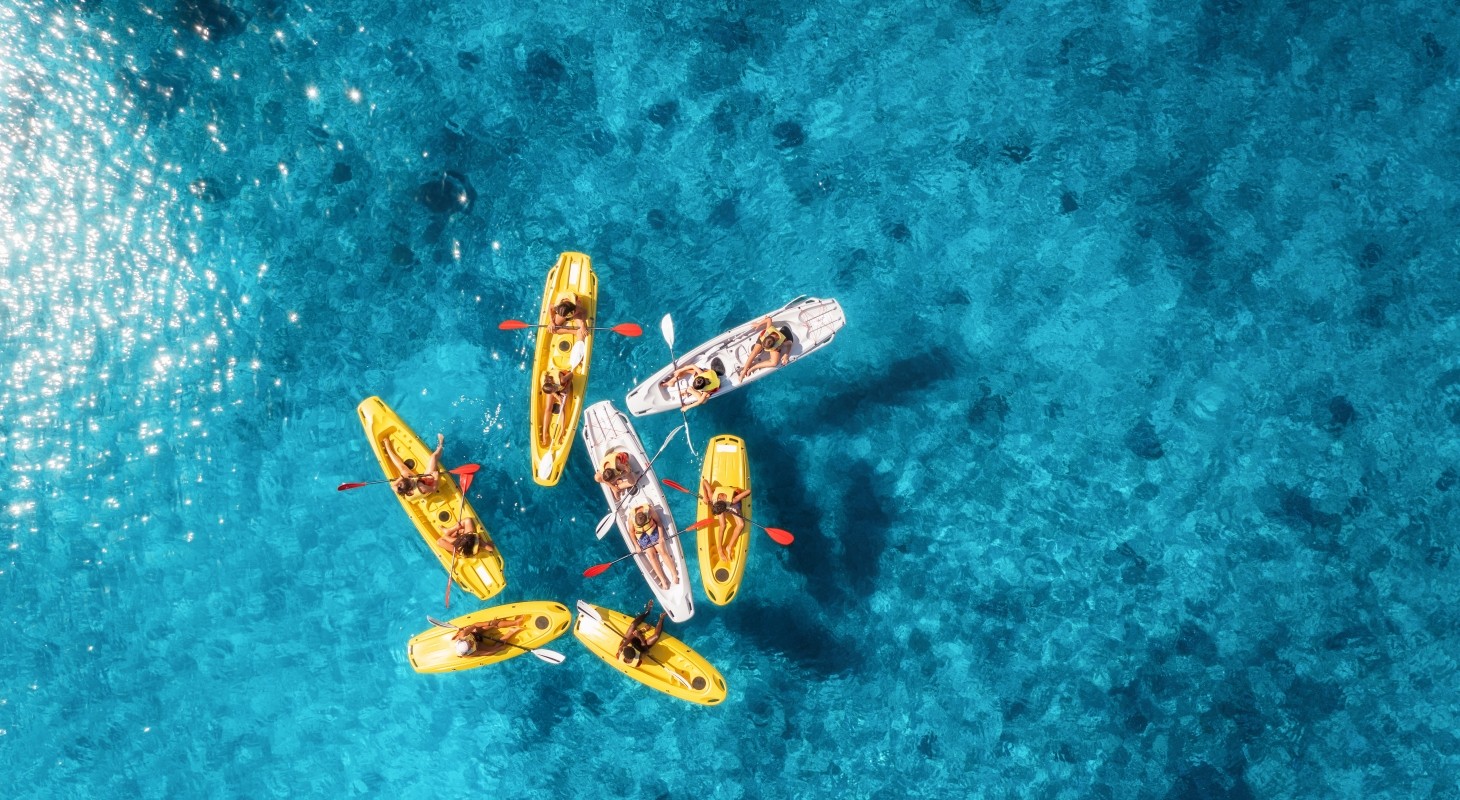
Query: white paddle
(543,654)
(666,327)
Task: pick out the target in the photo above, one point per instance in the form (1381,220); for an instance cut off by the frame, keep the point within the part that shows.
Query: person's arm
(700,397)
(740,495)
(706,496)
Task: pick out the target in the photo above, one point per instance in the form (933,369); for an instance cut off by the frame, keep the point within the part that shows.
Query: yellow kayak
(434,513)
(560,351)
(670,666)
(727,468)
(434,651)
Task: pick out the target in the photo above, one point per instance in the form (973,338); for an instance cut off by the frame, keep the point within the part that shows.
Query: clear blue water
(1133,475)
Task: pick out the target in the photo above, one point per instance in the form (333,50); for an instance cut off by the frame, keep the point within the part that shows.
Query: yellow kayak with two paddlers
(669,666)
(434,513)
(727,470)
(572,277)
(434,650)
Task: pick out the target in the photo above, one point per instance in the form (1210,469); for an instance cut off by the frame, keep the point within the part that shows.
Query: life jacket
(712,380)
(646,527)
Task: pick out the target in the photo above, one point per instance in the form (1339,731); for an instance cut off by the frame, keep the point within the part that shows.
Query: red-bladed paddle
(778,535)
(456,551)
(598,569)
(629,329)
(462,471)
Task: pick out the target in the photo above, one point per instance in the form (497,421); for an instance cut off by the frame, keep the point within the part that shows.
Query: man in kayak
(639,637)
(703,383)
(556,383)
(488,638)
(650,536)
(770,341)
(724,503)
(567,310)
(616,474)
(462,539)
(412,483)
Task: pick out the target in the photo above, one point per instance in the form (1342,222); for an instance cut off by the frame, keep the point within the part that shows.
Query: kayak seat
(718,366)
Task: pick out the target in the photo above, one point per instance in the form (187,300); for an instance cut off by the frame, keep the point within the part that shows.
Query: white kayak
(605,429)
(811,322)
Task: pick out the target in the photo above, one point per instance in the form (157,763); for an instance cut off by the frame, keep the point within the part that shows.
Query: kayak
(810,322)
(606,429)
(726,467)
(434,651)
(435,513)
(560,351)
(670,666)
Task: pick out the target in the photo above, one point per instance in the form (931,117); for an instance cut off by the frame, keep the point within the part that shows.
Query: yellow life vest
(712,379)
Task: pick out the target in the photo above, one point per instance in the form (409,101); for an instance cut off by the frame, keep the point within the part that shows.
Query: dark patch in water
(341,173)
(1193,640)
(794,633)
(1068,202)
(1447,480)
(662,114)
(468,59)
(1206,782)
(723,214)
(401,255)
(1310,701)
(599,141)
(656,219)
(1433,49)
(866,520)
(729,34)
(447,194)
(1341,414)
(1017,153)
(159,95)
(899,232)
(1371,256)
(208,190)
(788,135)
(209,20)
(1142,440)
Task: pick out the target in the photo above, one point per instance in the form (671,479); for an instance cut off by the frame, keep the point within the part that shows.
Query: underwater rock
(467,59)
(662,114)
(208,190)
(788,135)
(211,20)
(1017,153)
(342,173)
(447,194)
(723,214)
(1068,202)
(656,219)
(1143,441)
(1341,414)
(899,232)
(401,256)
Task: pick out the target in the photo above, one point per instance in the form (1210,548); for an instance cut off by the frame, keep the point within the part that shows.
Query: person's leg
(548,401)
(673,574)
(433,465)
(651,556)
(737,529)
(395,460)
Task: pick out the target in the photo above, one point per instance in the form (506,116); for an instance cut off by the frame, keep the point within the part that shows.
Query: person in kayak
(770,341)
(639,637)
(488,638)
(567,310)
(464,539)
(703,383)
(616,474)
(724,503)
(649,533)
(556,384)
(412,483)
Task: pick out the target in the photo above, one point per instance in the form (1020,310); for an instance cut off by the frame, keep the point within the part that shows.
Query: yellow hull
(433,650)
(668,657)
(435,513)
(573,273)
(726,466)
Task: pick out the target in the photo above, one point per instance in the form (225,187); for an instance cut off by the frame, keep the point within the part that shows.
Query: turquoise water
(1132,475)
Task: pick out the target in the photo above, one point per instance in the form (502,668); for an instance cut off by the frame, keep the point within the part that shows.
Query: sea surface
(1133,474)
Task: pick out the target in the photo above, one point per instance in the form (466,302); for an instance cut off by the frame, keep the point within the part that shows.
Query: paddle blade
(702,523)
(603,526)
(550,656)
(512,325)
(345,487)
(597,569)
(466,480)
(466,469)
(780,536)
(580,352)
(671,484)
(585,610)
(438,623)
(666,328)
(628,329)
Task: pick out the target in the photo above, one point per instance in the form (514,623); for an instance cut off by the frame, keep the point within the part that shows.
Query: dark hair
(771,338)
(404,484)
(700,382)
(467,544)
(641,515)
(609,473)
(565,308)
(630,651)
(720,506)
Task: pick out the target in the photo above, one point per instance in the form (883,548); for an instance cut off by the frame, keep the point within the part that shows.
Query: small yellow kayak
(573,274)
(434,651)
(670,666)
(435,513)
(726,468)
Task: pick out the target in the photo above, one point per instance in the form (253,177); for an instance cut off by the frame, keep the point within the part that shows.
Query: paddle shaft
(438,623)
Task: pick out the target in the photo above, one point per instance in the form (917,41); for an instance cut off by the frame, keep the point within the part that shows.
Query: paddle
(778,535)
(630,329)
(456,551)
(463,470)
(604,524)
(598,569)
(585,610)
(543,654)
(666,327)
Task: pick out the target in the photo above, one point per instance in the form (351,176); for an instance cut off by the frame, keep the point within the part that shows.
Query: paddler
(772,341)
(463,539)
(565,310)
(556,384)
(650,536)
(412,483)
(703,383)
(639,637)
(615,473)
(488,638)
(724,503)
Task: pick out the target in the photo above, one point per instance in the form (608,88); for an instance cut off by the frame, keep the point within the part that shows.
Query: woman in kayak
(703,383)
(567,310)
(488,638)
(772,341)
(412,483)
(556,383)
(616,474)
(650,536)
(639,637)
(462,539)
(724,503)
